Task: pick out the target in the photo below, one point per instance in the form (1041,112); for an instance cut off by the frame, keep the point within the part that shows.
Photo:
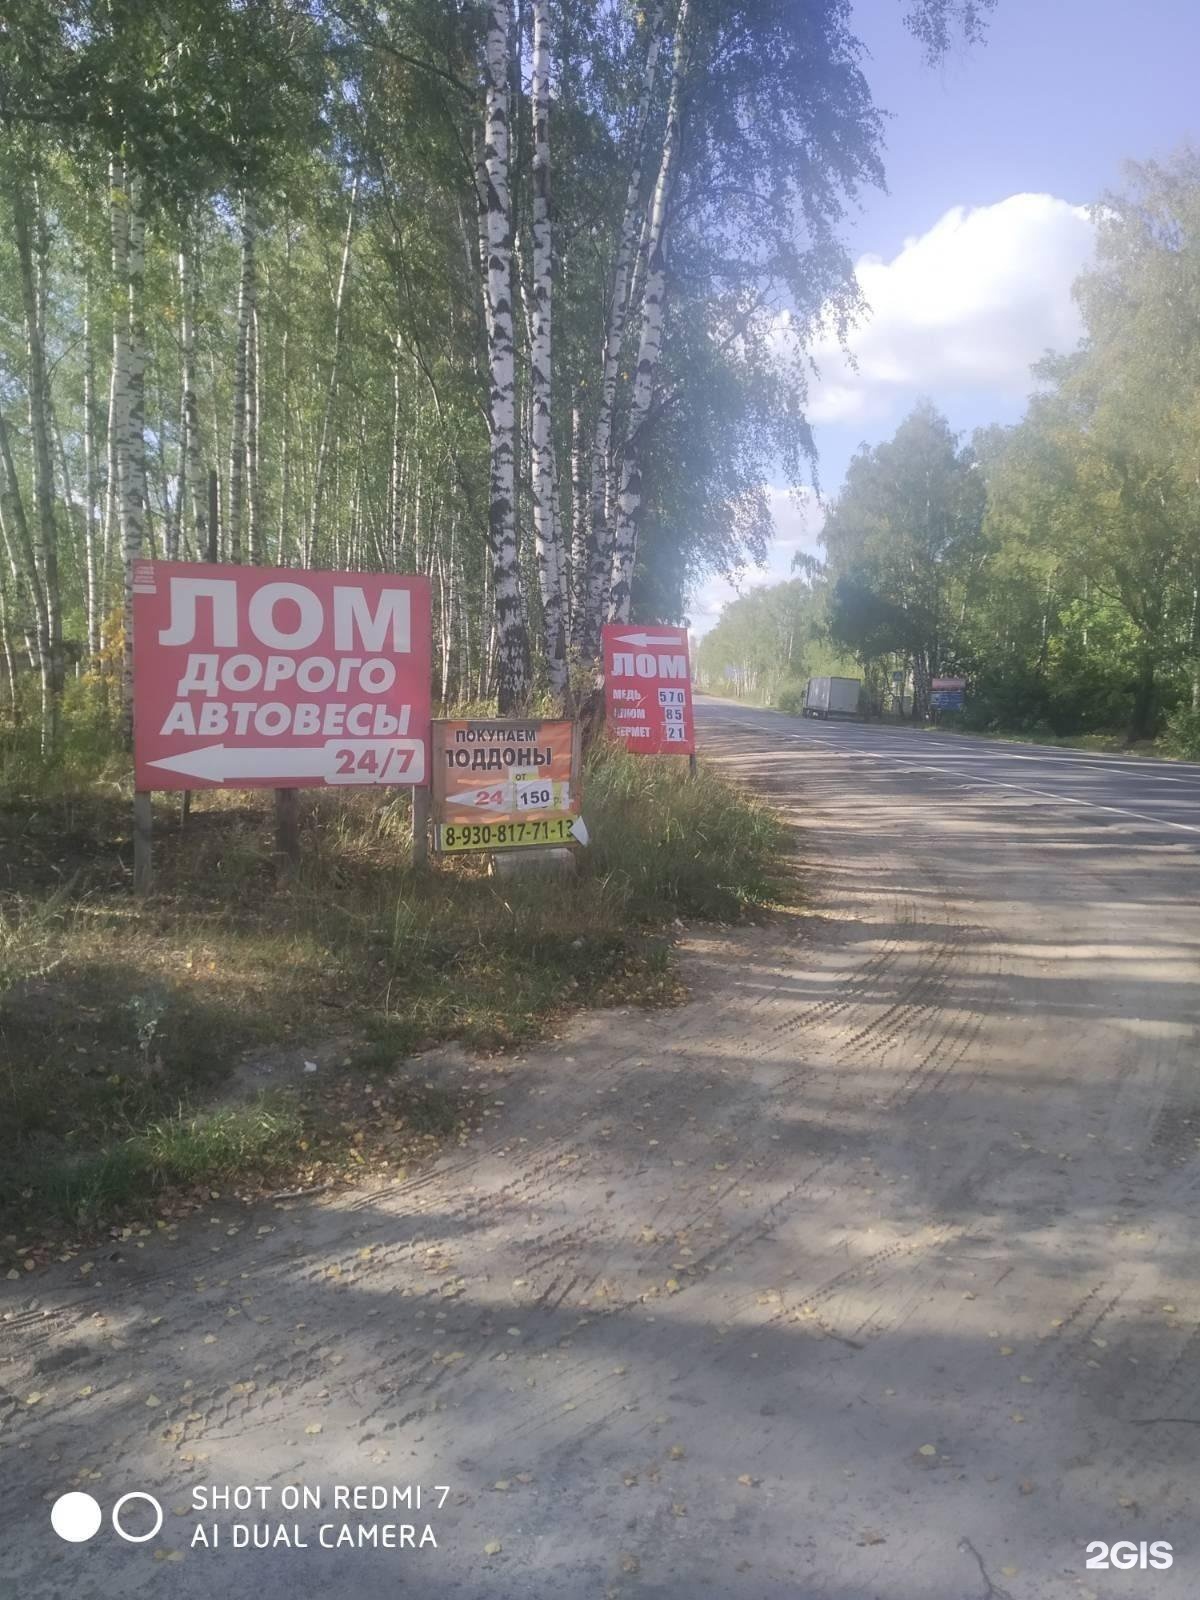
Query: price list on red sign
(648,688)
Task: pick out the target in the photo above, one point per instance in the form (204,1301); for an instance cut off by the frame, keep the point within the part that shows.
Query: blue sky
(992,159)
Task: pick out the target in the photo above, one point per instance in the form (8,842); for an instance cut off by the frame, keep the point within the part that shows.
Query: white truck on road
(831,697)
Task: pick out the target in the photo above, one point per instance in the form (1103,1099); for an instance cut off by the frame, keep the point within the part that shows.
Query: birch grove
(290,332)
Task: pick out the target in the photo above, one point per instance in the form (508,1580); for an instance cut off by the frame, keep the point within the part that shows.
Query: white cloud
(969,305)
(798,523)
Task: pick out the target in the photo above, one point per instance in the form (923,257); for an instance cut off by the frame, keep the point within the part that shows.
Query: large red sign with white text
(648,688)
(258,677)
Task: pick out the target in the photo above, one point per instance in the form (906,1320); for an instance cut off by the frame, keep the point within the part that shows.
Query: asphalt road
(1162,796)
(869,1273)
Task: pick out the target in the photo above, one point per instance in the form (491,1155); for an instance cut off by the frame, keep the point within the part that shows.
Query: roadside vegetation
(1054,564)
(125,1027)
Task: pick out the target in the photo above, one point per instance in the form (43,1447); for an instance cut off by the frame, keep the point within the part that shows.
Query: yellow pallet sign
(505,783)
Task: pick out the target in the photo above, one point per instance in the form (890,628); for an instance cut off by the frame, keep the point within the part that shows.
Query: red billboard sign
(648,688)
(259,677)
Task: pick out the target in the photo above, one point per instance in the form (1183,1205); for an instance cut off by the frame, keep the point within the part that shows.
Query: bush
(1182,736)
(790,697)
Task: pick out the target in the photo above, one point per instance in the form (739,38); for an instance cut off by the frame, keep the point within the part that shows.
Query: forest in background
(515,294)
(1054,564)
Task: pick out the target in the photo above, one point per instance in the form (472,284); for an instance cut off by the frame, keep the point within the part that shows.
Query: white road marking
(991,783)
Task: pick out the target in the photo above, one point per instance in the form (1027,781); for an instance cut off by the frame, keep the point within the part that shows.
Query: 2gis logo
(76,1517)
(1125,1555)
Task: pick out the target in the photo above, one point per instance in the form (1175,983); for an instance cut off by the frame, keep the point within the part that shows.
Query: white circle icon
(137,1494)
(75,1517)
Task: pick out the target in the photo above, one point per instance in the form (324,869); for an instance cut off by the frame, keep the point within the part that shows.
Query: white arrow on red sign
(336,761)
(645,639)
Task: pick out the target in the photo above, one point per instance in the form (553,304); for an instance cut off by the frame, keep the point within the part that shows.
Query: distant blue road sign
(948,694)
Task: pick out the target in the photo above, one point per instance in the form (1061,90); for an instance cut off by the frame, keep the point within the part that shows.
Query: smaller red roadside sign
(648,688)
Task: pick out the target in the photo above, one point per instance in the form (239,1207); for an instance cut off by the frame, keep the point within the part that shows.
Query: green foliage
(789,697)
(905,544)
(772,637)
(177,1151)
(1182,736)
(1054,564)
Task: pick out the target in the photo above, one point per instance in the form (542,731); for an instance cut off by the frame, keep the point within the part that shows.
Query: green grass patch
(126,1027)
(243,1144)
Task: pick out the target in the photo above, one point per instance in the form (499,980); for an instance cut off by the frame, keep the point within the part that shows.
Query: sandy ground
(870,1272)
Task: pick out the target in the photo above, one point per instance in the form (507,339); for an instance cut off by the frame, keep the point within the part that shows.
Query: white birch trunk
(132,462)
(27,588)
(91,586)
(253,419)
(241,365)
(579,529)
(112,479)
(118,399)
(27,227)
(396,472)
(481,197)
(192,465)
(629,498)
(314,516)
(593,583)
(10,670)
(547,540)
(285,405)
(512,634)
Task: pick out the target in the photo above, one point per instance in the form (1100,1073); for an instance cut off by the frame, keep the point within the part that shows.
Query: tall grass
(664,843)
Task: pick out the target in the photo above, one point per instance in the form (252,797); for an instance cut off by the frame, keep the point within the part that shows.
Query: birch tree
(90,480)
(629,501)
(132,463)
(592,581)
(512,686)
(192,477)
(45,535)
(314,515)
(547,534)
(241,383)
(352,365)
